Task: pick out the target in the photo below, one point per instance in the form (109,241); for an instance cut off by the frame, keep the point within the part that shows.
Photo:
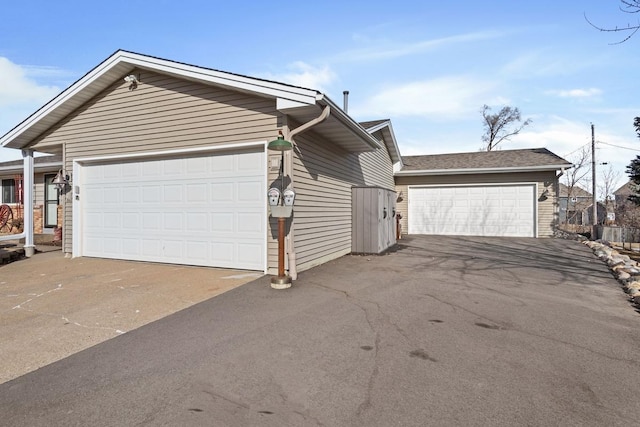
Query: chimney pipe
(345,103)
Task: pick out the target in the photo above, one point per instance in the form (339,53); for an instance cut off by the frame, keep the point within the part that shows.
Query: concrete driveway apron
(442,332)
(52,307)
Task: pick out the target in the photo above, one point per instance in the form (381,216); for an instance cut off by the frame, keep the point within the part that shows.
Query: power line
(577,149)
(619,146)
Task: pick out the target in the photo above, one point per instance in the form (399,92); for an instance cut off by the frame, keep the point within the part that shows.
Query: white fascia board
(387,124)
(379,126)
(345,119)
(286,104)
(477,170)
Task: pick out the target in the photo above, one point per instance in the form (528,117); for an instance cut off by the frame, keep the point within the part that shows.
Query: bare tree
(577,177)
(501,126)
(607,184)
(627,6)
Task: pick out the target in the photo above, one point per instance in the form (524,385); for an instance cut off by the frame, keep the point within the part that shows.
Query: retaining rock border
(623,268)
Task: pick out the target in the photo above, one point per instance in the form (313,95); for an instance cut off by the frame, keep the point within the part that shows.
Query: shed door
(473,210)
(204,210)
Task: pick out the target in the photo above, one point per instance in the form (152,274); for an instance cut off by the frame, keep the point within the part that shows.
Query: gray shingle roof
(57,158)
(528,158)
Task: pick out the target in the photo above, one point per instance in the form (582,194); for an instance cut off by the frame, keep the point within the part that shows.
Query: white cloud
(441,98)
(566,138)
(20,96)
(379,51)
(575,93)
(305,75)
(543,64)
(17,89)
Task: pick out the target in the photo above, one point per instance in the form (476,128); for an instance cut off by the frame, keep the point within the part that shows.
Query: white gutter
(293,271)
(469,171)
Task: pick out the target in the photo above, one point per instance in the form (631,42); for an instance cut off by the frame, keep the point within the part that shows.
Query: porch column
(29,247)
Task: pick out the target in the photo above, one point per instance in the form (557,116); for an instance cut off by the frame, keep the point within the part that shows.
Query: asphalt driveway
(444,331)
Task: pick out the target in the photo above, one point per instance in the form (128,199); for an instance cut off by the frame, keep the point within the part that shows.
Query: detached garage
(509,193)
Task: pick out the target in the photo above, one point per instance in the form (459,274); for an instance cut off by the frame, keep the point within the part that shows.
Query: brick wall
(37,219)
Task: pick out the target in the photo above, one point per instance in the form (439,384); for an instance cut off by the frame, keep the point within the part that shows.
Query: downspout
(293,272)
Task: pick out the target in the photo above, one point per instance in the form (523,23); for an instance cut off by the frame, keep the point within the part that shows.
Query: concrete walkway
(52,307)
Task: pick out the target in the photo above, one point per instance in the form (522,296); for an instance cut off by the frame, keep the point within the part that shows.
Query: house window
(8,191)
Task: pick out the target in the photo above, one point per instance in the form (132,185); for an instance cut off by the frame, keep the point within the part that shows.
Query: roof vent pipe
(345,103)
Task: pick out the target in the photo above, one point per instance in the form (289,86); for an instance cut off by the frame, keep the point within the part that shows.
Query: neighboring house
(168,163)
(627,212)
(45,194)
(575,207)
(495,193)
(621,195)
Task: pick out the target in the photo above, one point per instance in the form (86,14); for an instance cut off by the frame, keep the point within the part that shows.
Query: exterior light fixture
(132,80)
(280,144)
(61,180)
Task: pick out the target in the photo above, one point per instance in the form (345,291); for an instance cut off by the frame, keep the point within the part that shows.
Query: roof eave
(37,167)
(387,130)
(469,171)
(121,62)
(369,141)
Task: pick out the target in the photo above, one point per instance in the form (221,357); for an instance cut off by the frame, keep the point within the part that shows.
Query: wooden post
(281,226)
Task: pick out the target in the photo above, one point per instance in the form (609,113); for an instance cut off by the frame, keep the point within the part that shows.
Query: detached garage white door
(484,210)
(206,210)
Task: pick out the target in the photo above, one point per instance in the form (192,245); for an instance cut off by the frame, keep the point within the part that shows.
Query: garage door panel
(489,210)
(194,210)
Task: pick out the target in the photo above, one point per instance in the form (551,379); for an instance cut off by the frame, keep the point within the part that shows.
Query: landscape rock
(624,269)
(623,275)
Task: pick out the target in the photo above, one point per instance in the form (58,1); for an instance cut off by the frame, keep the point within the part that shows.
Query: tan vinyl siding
(377,167)
(547,209)
(163,113)
(38,188)
(323,177)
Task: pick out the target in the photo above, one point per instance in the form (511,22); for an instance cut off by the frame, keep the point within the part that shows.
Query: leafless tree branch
(627,6)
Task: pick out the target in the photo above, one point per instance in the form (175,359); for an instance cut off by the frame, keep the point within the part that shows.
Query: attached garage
(168,162)
(473,210)
(205,209)
(511,193)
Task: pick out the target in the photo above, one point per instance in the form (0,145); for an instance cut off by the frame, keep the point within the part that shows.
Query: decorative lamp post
(281,211)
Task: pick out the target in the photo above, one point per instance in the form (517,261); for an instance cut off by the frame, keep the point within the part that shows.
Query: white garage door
(206,210)
(492,210)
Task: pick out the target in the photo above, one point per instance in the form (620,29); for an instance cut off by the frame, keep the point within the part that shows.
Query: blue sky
(428,66)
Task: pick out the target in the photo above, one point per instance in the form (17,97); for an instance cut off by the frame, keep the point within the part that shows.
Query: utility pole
(594,221)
